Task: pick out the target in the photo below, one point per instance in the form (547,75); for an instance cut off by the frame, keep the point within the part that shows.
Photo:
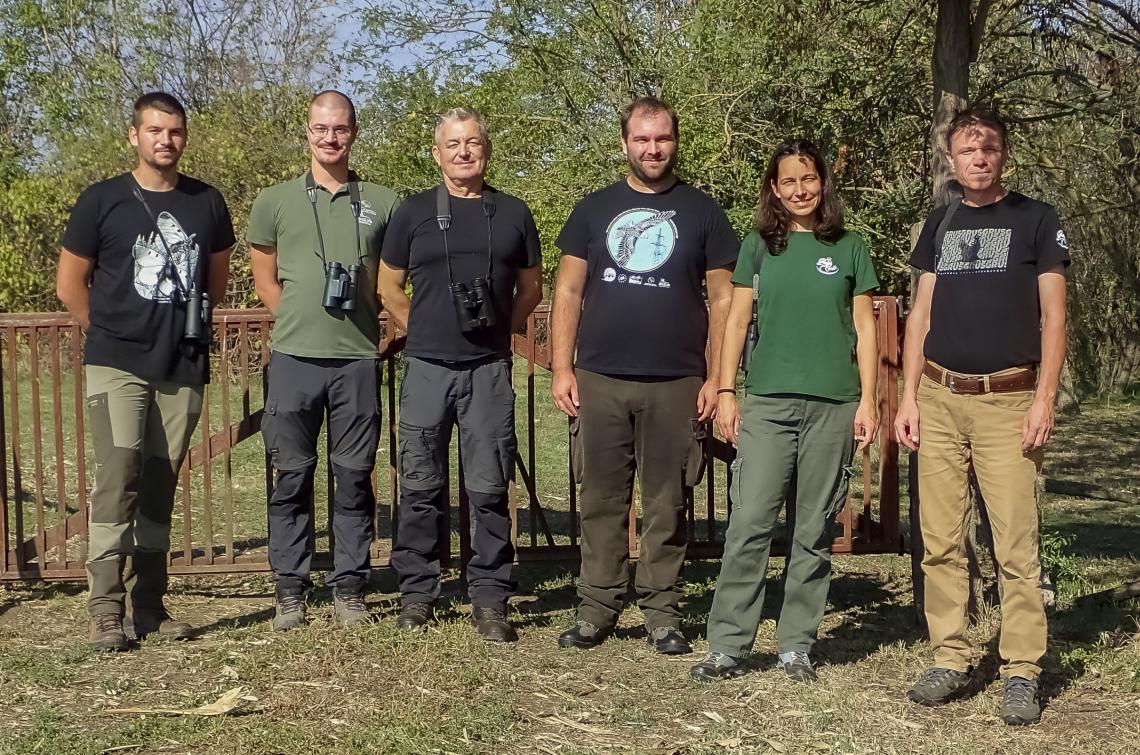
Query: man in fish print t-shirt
(640,383)
(138,249)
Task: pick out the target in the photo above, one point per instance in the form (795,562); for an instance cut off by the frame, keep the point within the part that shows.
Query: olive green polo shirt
(282,217)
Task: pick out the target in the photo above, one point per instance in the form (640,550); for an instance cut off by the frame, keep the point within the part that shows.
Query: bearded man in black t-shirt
(985,342)
(143,255)
(632,371)
(472,255)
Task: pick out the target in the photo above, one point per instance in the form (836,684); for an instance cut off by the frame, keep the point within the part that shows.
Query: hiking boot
(1020,705)
(151,620)
(669,641)
(290,613)
(797,665)
(492,624)
(718,666)
(415,616)
(583,635)
(106,633)
(350,610)
(938,686)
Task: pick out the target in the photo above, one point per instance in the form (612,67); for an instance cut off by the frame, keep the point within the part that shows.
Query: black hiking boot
(938,686)
(415,616)
(491,623)
(583,635)
(290,613)
(1020,705)
(669,641)
(106,633)
(716,666)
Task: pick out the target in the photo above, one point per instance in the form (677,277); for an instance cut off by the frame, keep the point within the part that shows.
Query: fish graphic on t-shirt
(632,231)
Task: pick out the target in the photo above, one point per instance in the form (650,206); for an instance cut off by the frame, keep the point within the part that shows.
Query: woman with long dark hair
(810,395)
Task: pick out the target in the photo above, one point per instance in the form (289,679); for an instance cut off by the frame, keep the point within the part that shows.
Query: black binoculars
(750,341)
(340,287)
(199,316)
(473,304)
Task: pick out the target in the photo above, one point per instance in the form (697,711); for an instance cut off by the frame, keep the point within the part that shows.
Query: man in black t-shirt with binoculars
(472,254)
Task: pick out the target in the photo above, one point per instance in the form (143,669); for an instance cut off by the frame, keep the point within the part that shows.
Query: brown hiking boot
(157,620)
(106,633)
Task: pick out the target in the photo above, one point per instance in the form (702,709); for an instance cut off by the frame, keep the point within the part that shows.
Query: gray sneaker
(350,610)
(1020,705)
(937,686)
(718,666)
(797,665)
(290,613)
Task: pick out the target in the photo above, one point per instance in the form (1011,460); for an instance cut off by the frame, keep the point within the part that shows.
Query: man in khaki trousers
(985,342)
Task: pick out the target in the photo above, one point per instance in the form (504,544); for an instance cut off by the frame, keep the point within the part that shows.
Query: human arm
(219,275)
(72,284)
(732,345)
(917,326)
(720,291)
(263,263)
(528,293)
(867,357)
(390,284)
(1039,419)
(569,290)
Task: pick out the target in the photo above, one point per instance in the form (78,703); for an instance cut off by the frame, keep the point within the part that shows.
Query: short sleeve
(533,243)
(1052,245)
(721,243)
(262,229)
(398,238)
(864,269)
(574,237)
(923,257)
(746,260)
(224,232)
(82,233)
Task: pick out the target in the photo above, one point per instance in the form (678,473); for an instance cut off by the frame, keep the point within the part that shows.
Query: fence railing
(219,526)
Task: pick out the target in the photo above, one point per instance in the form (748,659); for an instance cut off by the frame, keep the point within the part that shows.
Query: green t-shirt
(282,217)
(807,335)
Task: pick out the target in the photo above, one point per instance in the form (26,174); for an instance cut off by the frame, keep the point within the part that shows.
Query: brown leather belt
(1022,380)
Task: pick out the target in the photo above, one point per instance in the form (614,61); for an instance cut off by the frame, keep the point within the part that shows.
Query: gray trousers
(140,430)
(782,438)
(627,425)
(434,396)
(301,391)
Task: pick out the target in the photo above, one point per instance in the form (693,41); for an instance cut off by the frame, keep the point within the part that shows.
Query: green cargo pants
(141,430)
(782,438)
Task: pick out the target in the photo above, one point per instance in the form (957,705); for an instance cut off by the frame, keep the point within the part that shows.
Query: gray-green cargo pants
(140,430)
(782,438)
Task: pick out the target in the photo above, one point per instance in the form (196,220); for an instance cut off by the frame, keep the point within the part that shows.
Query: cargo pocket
(420,468)
(268,428)
(694,467)
(576,450)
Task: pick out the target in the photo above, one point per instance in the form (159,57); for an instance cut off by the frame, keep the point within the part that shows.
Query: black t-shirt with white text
(137,311)
(643,312)
(414,242)
(986,313)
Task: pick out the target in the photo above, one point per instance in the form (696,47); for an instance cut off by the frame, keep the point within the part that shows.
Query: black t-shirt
(986,313)
(137,314)
(644,312)
(414,242)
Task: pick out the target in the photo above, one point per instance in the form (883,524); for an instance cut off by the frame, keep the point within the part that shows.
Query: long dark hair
(772,220)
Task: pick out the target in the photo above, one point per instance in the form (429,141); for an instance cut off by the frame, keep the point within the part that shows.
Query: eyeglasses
(322,130)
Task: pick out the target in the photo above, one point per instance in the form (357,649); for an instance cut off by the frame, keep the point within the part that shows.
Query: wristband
(726,390)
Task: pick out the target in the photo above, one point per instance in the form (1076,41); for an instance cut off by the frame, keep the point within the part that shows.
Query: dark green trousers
(782,438)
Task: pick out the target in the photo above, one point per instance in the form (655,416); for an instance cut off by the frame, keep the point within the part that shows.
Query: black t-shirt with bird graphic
(644,310)
(137,294)
(986,315)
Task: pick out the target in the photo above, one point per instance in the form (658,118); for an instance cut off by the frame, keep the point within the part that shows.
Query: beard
(637,170)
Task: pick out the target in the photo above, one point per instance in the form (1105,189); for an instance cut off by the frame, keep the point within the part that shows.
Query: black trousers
(301,390)
(478,397)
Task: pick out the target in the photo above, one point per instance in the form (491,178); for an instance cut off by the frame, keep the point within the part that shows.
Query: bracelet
(726,390)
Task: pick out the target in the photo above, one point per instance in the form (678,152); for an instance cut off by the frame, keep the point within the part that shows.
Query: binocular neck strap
(353,197)
(443,218)
(171,268)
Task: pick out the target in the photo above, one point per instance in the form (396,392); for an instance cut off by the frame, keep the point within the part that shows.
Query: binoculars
(473,304)
(199,316)
(340,287)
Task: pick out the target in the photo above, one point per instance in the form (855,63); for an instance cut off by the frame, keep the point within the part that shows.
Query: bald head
(331,99)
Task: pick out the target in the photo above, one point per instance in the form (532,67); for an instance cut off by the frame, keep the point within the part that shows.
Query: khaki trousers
(984,430)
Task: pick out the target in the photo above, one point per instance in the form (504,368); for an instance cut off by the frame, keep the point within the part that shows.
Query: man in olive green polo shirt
(315,242)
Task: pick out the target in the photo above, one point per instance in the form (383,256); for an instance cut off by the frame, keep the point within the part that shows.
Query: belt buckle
(950,383)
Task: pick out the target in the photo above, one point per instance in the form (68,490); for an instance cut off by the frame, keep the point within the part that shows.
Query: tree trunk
(951,71)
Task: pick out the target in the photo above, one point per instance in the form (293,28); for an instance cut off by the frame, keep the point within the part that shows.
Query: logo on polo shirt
(826,266)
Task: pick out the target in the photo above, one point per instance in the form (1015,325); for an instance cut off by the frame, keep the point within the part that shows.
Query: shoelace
(1018,693)
(494,614)
(292,603)
(934,677)
(418,609)
(353,602)
(720,659)
(108,622)
(800,659)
